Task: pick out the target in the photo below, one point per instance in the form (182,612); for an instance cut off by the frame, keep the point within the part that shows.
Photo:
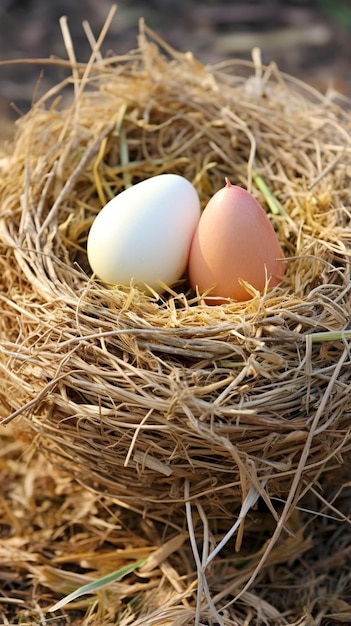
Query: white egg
(144,233)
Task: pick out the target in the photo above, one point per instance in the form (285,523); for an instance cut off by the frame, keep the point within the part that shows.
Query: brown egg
(234,240)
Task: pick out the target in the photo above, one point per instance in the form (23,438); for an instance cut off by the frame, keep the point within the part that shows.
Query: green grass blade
(331,335)
(274,204)
(96,585)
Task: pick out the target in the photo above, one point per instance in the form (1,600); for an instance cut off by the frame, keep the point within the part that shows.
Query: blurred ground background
(311,40)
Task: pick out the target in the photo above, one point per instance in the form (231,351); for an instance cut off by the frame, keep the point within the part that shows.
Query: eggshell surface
(234,240)
(144,233)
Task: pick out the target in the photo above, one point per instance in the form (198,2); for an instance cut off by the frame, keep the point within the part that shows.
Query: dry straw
(205,420)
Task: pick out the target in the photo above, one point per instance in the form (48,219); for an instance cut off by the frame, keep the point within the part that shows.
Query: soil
(310,40)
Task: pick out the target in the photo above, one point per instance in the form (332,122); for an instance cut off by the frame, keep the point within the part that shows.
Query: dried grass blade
(201,578)
(70,52)
(248,503)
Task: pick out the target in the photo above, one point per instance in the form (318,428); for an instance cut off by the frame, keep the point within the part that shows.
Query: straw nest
(181,411)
